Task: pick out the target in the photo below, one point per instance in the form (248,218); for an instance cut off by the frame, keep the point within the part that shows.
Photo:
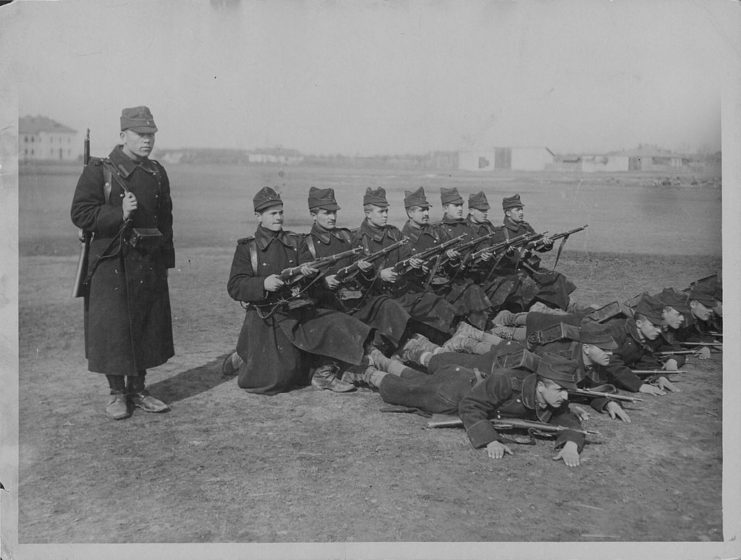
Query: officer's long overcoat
(128,325)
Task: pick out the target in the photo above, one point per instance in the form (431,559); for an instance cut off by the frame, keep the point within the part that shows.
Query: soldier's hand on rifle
(365,266)
(651,390)
(546,243)
(128,204)
(452,254)
(414,262)
(486,256)
(703,353)
(272,283)
(388,275)
(616,411)
(307,270)
(666,385)
(569,453)
(671,365)
(332,282)
(497,450)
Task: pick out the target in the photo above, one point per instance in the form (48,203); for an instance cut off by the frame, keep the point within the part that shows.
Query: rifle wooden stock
(450,421)
(78,286)
(595,394)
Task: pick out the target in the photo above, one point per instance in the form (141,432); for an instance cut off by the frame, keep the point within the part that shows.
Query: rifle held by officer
(451,421)
(294,273)
(78,287)
(351,269)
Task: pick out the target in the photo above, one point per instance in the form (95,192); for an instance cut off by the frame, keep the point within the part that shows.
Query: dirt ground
(310,466)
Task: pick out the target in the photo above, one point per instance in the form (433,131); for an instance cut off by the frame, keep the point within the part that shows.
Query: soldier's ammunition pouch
(145,239)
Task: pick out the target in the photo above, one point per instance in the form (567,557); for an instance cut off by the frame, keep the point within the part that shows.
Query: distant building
(592,163)
(518,159)
(275,155)
(651,158)
(41,138)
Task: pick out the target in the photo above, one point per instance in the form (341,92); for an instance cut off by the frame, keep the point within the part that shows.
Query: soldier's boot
(509,333)
(364,376)
(419,350)
(140,397)
(327,377)
(478,342)
(508,319)
(380,361)
(117,406)
(231,364)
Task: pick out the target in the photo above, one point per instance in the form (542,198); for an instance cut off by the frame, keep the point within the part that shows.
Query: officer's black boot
(118,405)
(140,397)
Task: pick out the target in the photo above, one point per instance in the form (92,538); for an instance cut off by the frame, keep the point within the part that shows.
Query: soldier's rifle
(404,265)
(718,345)
(505,245)
(532,426)
(652,374)
(675,352)
(78,287)
(521,240)
(347,272)
(595,394)
(563,236)
(293,274)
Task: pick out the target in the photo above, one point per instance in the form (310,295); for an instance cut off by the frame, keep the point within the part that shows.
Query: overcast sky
(378,77)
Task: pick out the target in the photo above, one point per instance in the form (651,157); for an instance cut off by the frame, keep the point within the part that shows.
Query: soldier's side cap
(651,308)
(672,298)
(416,198)
(376,197)
(265,198)
(704,294)
(597,334)
(138,119)
(478,201)
(322,199)
(450,196)
(512,202)
(558,369)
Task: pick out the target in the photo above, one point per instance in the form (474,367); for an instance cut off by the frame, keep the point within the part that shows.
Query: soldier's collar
(509,224)
(528,391)
(325,235)
(375,232)
(125,165)
(447,220)
(264,237)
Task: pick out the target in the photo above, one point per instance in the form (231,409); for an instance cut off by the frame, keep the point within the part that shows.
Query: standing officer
(124,201)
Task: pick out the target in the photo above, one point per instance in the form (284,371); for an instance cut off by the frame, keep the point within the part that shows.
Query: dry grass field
(309,466)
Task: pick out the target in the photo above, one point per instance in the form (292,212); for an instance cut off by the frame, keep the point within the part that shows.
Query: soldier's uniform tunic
(128,325)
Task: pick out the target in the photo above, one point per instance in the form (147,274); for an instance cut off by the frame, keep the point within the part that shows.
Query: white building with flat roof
(41,138)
